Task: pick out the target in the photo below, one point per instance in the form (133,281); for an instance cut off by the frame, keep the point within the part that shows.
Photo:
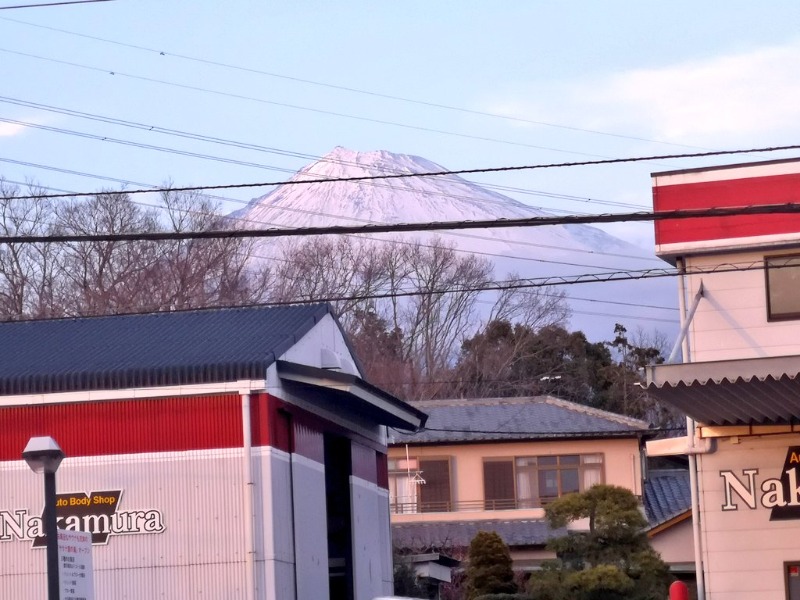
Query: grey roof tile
(441,535)
(142,350)
(667,494)
(529,418)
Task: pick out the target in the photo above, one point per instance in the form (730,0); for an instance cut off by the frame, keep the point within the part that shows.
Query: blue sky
(579,80)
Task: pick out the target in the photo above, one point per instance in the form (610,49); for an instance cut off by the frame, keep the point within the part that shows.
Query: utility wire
(320,111)
(51,4)
(265,149)
(766,209)
(444,173)
(350,89)
(332,216)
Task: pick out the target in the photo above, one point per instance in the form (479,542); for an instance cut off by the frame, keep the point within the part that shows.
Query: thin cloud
(714,100)
(743,94)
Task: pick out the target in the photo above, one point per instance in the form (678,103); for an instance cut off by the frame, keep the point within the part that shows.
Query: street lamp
(44,455)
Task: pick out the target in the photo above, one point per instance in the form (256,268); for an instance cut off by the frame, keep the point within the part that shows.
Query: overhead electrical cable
(41,5)
(444,173)
(321,111)
(352,89)
(525,243)
(270,150)
(774,209)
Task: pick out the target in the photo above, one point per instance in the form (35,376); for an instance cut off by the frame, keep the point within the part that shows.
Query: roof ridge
(155,313)
(597,412)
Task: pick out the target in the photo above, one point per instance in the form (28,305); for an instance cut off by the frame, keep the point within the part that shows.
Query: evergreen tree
(489,566)
(612,560)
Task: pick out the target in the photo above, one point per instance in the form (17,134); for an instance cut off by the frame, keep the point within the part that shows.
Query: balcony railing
(405,508)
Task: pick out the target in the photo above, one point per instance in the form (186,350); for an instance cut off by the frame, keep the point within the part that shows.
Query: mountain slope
(550,251)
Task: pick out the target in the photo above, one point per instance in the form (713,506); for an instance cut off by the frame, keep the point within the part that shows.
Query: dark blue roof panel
(168,348)
(666,495)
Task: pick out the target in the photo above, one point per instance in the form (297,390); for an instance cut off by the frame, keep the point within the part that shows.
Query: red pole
(678,591)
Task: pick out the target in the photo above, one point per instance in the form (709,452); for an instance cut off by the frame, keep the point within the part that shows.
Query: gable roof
(155,349)
(504,419)
(667,494)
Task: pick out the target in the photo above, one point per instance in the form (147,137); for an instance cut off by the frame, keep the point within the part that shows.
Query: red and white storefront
(740,380)
(259,487)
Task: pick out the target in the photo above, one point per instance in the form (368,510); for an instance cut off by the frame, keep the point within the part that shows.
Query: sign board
(75,575)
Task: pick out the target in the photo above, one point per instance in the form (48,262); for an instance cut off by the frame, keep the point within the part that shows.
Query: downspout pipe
(691,431)
(249,491)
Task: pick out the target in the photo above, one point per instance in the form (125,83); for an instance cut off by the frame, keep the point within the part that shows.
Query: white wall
(199,554)
(368,551)
(731,319)
(310,522)
(743,550)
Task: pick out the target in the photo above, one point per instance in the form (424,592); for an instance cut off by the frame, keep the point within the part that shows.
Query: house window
(419,485)
(783,283)
(530,481)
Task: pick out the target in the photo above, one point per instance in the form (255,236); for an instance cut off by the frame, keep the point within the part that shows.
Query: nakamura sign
(780,494)
(96,513)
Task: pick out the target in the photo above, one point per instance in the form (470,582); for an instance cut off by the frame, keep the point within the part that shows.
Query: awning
(346,390)
(763,391)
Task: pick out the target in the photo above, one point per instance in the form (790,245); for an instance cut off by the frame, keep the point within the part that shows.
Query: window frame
(782,316)
(417,505)
(539,501)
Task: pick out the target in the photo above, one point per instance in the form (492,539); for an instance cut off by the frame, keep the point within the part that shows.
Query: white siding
(743,550)
(731,319)
(368,553)
(200,553)
(310,528)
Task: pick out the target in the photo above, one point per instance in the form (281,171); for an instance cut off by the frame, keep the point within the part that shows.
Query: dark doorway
(337,497)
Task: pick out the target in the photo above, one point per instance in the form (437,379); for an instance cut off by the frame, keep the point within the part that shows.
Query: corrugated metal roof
(666,495)
(763,391)
(528,418)
(126,351)
(458,534)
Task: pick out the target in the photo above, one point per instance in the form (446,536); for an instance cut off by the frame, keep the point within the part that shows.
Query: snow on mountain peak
(550,251)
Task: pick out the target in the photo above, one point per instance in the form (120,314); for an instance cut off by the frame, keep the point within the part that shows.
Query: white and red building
(226,453)
(739,382)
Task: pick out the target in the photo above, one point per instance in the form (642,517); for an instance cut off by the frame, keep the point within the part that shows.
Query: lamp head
(43,454)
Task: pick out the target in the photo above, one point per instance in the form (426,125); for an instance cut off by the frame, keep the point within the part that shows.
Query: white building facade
(740,300)
(228,454)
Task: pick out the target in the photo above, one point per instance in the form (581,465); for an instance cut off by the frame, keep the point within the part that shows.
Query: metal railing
(405,508)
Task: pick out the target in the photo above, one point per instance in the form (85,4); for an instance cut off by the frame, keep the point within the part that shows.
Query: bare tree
(106,277)
(27,276)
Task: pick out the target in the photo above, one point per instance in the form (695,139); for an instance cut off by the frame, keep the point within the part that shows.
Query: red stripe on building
(752,191)
(125,426)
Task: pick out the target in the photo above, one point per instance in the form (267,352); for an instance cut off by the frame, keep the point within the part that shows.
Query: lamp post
(44,455)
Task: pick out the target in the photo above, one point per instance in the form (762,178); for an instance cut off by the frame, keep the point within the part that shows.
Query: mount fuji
(532,252)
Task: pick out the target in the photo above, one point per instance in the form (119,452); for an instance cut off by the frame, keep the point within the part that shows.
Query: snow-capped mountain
(559,250)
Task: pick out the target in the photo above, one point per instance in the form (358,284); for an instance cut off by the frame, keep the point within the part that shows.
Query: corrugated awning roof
(757,391)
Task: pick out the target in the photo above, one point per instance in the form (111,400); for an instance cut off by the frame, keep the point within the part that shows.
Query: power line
(789,208)
(444,173)
(350,89)
(320,111)
(258,148)
(51,4)
(315,213)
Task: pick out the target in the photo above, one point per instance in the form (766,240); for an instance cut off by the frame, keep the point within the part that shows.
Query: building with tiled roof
(493,464)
